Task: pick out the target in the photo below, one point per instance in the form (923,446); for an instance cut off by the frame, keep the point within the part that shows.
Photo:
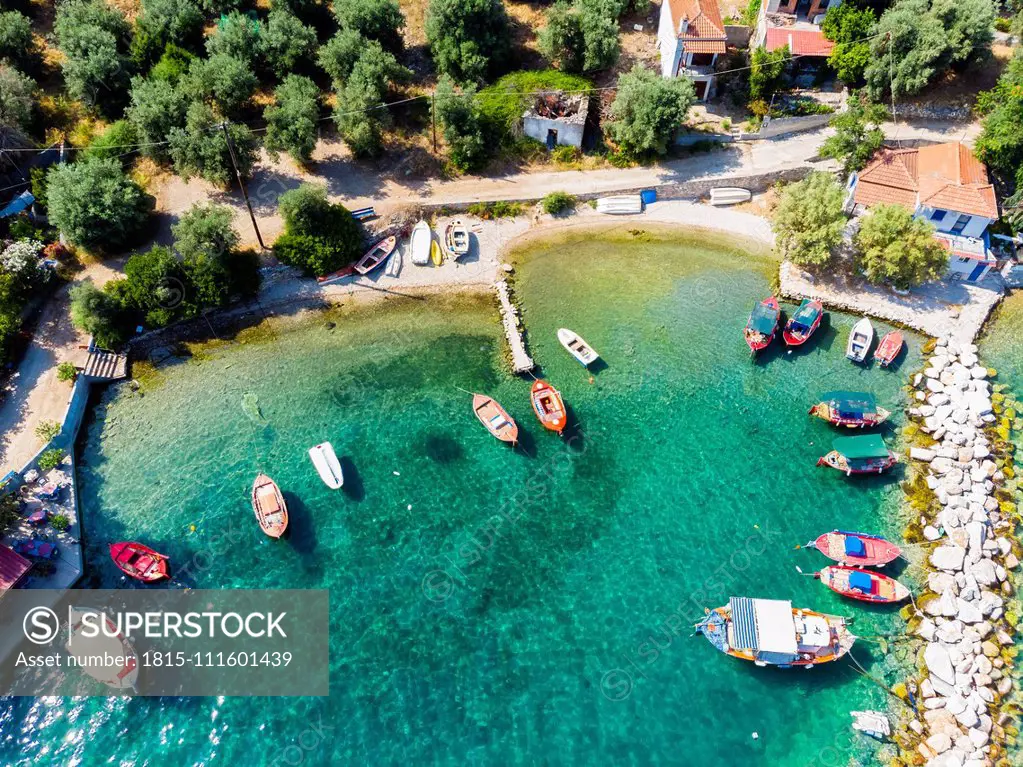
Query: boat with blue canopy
(864,585)
(762,324)
(863,454)
(852,409)
(803,323)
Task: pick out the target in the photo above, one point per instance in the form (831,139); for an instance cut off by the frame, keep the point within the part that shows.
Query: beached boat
(456,239)
(394,265)
(549,406)
(860,339)
(495,418)
(729,195)
(803,323)
(873,723)
(435,253)
(269,507)
(346,271)
(419,244)
(376,255)
(122,674)
(577,347)
(327,465)
(863,454)
(858,549)
(762,324)
(889,348)
(864,585)
(619,205)
(138,561)
(771,632)
(852,409)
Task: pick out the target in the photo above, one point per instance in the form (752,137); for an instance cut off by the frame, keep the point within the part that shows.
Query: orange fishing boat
(889,348)
(139,561)
(549,406)
(495,418)
(269,507)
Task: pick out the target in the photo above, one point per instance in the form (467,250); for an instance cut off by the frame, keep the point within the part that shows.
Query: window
(703,59)
(960,224)
(937,215)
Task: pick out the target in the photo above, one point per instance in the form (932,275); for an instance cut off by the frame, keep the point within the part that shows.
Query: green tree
(16,42)
(896,247)
(94,204)
(205,230)
(156,108)
(561,39)
(173,64)
(1000,143)
(858,133)
(238,35)
(17,98)
(155,286)
(287,41)
(766,71)
(319,236)
(98,314)
(468,38)
(357,117)
(200,148)
(809,222)
(463,125)
(114,142)
(171,21)
(291,121)
(207,242)
(379,20)
(338,55)
(600,37)
(223,80)
(648,110)
(94,39)
(969,27)
(849,26)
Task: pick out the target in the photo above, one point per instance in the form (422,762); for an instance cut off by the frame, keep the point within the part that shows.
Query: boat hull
(269,507)
(549,406)
(110,643)
(574,344)
(376,255)
(793,336)
(883,589)
(876,551)
(139,562)
(495,418)
(756,340)
(419,244)
(860,340)
(825,412)
(456,239)
(839,462)
(889,348)
(327,465)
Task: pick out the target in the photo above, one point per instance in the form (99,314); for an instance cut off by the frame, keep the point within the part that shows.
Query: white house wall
(667,42)
(569,134)
(975,227)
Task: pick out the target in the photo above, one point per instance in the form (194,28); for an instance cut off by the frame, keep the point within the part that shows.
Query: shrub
(566,155)
(896,247)
(60,522)
(1003,24)
(291,122)
(468,38)
(494,210)
(51,459)
(17,99)
(48,430)
(173,64)
(809,222)
(379,20)
(99,314)
(115,142)
(765,72)
(462,121)
(558,202)
(319,236)
(648,109)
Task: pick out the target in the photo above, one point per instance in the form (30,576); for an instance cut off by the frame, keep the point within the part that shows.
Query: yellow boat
(435,253)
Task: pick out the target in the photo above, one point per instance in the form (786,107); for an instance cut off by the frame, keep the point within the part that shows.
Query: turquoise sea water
(490,605)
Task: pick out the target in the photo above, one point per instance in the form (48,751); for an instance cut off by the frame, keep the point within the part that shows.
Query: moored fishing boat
(495,418)
(889,348)
(376,255)
(803,323)
(863,454)
(857,549)
(762,324)
(577,347)
(269,507)
(864,585)
(549,406)
(860,339)
(852,409)
(327,465)
(456,239)
(419,244)
(771,632)
(138,561)
(108,643)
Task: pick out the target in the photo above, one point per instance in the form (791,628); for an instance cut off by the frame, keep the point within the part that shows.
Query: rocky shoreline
(963,473)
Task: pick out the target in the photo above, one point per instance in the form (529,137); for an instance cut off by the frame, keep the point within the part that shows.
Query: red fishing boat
(855,548)
(269,507)
(803,323)
(346,271)
(889,348)
(138,561)
(376,255)
(549,406)
(864,585)
(762,324)
(495,418)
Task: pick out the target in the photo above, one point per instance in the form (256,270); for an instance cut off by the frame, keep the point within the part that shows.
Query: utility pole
(433,100)
(241,183)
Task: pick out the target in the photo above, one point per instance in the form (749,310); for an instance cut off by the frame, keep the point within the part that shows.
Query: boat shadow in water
(353,488)
(301,534)
(597,366)
(526,444)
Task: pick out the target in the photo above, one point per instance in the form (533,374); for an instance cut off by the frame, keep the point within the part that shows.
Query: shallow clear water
(533,605)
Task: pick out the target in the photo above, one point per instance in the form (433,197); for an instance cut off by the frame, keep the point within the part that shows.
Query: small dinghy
(860,339)
(864,585)
(873,723)
(376,255)
(620,205)
(803,323)
(549,406)
(138,561)
(771,632)
(852,409)
(729,195)
(856,549)
(327,465)
(435,253)
(577,347)
(762,324)
(889,348)
(495,418)
(865,454)
(109,642)
(269,507)
(394,265)
(456,239)
(419,244)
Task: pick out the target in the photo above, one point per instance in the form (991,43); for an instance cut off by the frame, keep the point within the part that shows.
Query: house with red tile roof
(13,568)
(943,184)
(690,37)
(794,24)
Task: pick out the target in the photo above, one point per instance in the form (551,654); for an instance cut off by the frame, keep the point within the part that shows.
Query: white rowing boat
(419,244)
(619,205)
(394,265)
(729,195)
(327,465)
(577,347)
(860,339)
(456,239)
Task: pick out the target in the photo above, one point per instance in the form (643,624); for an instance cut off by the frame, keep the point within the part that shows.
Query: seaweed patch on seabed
(961,501)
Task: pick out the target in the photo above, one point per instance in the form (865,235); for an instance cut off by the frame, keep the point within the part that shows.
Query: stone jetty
(962,617)
(521,361)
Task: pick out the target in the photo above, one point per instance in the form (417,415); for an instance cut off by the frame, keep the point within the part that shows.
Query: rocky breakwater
(965,616)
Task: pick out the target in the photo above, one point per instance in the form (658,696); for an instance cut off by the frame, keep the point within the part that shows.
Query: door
(552,139)
(701,89)
(977,272)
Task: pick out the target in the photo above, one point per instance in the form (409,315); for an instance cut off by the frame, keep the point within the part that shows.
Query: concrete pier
(521,361)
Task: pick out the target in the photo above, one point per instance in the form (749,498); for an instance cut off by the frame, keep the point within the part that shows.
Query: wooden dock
(521,361)
(103,365)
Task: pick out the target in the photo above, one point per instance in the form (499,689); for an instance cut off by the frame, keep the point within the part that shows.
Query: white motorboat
(577,347)
(860,340)
(729,195)
(327,465)
(873,723)
(456,239)
(419,244)
(619,205)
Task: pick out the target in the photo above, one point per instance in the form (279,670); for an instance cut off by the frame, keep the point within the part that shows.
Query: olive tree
(94,39)
(809,221)
(896,247)
(462,119)
(17,99)
(291,120)
(468,38)
(648,109)
(200,148)
(156,107)
(379,20)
